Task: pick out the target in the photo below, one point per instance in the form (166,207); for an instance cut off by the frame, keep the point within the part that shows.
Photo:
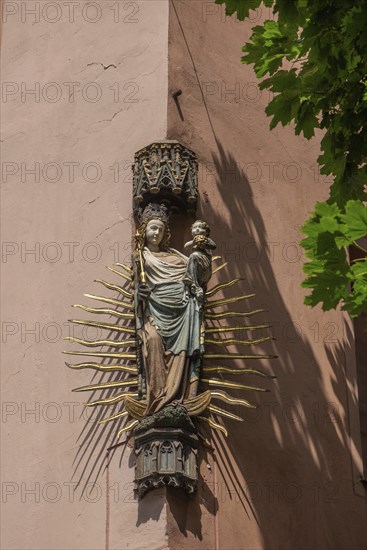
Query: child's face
(198,229)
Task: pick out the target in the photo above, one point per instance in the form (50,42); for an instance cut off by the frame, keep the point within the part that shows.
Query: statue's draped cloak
(169,328)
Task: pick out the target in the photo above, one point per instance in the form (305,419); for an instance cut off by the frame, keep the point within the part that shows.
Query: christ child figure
(199,267)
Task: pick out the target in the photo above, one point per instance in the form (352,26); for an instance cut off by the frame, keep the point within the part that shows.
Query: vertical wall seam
(107,531)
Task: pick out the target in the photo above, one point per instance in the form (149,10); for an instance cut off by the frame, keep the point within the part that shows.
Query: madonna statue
(169,316)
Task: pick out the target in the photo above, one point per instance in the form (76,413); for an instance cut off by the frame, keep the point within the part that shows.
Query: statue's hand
(144,292)
(200,295)
(198,292)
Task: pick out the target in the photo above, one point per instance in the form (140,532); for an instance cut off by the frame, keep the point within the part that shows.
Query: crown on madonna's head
(154,211)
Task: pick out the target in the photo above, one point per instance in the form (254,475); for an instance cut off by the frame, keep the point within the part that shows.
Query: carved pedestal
(166,451)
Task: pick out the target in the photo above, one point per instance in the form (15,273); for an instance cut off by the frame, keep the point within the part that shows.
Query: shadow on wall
(288,467)
(289,450)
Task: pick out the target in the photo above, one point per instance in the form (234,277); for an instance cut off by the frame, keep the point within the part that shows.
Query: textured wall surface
(102,74)
(100,95)
(288,477)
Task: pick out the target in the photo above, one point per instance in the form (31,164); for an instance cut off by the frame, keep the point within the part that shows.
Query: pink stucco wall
(77,224)
(289,476)
(103,73)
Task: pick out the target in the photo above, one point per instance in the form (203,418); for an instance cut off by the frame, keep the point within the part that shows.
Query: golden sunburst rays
(226,384)
(117,288)
(126,268)
(213,424)
(109,343)
(106,326)
(210,293)
(231,341)
(218,369)
(102,354)
(103,368)
(111,301)
(210,330)
(108,385)
(105,311)
(111,400)
(219,268)
(228,314)
(225,343)
(114,349)
(114,417)
(128,428)
(127,277)
(237,356)
(210,304)
(115,354)
(223,396)
(221,412)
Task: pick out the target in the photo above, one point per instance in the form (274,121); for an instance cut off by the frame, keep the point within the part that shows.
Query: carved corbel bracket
(166,172)
(166,451)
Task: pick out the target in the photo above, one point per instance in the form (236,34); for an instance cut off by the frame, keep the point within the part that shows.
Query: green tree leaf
(313,56)
(355,220)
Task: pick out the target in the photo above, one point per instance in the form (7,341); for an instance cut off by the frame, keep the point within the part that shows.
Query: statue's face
(154,232)
(198,229)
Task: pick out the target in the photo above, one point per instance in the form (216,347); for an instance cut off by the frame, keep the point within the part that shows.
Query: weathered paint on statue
(169,311)
(199,268)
